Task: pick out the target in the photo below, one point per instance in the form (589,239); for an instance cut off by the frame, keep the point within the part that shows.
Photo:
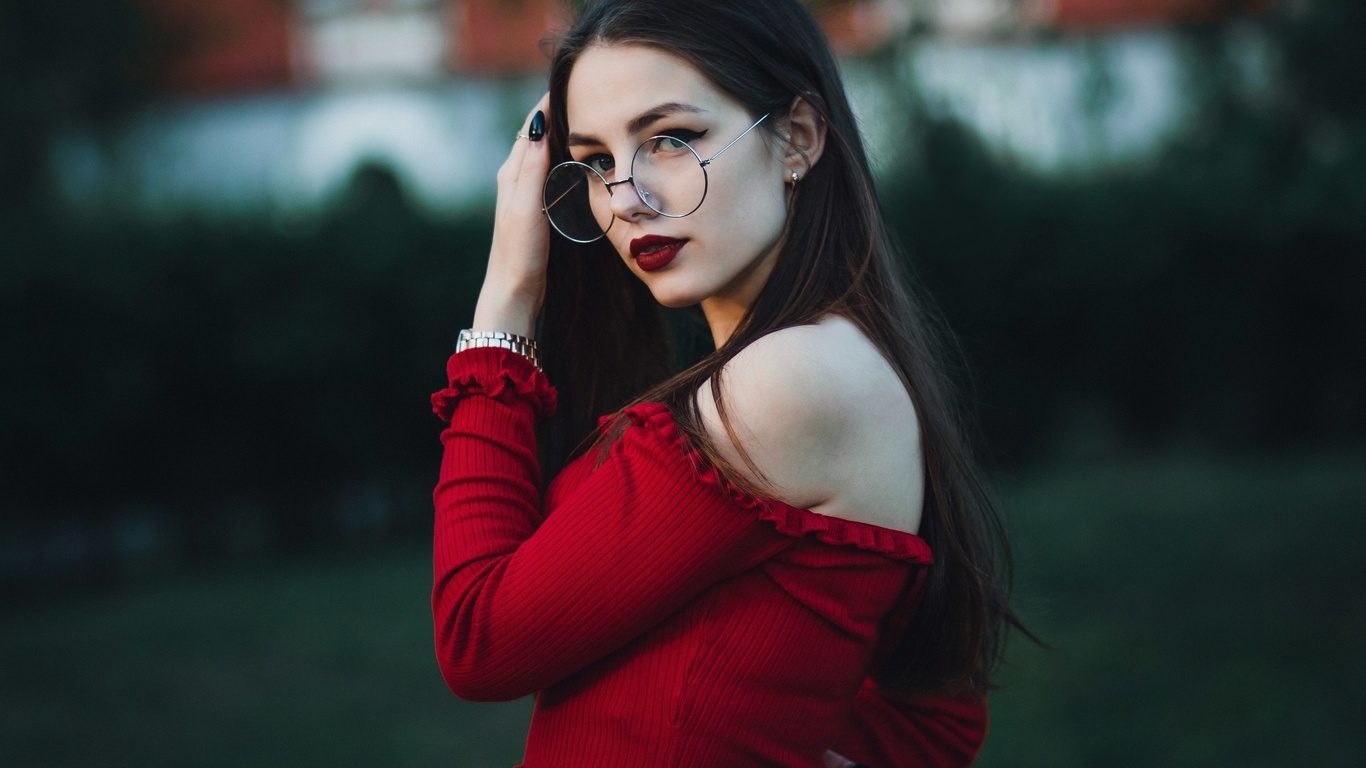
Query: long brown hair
(606,345)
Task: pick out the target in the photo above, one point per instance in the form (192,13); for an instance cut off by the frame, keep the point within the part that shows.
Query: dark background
(216,448)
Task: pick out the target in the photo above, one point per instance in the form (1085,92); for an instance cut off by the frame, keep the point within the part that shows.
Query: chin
(676,300)
(674,294)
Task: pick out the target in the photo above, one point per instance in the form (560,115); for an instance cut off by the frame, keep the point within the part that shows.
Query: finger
(512,169)
(525,132)
(536,155)
(526,194)
(535,161)
(514,161)
(542,105)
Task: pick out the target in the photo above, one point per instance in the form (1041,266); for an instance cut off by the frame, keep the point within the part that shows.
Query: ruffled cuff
(787,519)
(498,373)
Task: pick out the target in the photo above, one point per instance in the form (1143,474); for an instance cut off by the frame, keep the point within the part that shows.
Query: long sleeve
(888,731)
(521,600)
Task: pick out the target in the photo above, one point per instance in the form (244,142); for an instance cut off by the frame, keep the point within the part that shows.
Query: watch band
(522,345)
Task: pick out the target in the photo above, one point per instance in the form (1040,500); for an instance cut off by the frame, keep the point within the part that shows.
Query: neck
(723,317)
(725,310)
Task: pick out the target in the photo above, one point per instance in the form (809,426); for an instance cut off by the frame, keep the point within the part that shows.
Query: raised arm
(521,601)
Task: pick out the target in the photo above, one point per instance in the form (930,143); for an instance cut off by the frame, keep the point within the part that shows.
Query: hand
(514,285)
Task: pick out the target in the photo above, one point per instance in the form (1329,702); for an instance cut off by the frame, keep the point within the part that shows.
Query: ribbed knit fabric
(662,616)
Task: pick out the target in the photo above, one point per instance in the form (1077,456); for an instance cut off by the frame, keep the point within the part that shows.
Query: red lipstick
(653,252)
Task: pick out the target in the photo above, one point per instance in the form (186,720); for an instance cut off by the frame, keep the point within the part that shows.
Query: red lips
(653,252)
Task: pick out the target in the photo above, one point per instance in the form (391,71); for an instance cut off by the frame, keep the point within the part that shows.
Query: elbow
(478,660)
(470,685)
(481,680)
(479,689)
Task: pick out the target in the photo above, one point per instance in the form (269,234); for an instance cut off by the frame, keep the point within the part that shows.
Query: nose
(627,201)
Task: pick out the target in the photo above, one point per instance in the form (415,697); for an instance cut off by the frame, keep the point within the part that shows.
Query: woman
(782,555)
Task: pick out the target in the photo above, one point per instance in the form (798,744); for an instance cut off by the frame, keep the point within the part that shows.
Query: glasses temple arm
(737,138)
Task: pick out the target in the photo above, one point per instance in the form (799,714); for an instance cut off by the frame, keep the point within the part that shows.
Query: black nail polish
(537,130)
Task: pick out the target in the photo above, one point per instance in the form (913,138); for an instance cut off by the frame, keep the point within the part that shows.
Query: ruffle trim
(787,519)
(498,373)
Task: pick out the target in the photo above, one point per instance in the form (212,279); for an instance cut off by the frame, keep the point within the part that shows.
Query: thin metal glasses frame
(610,185)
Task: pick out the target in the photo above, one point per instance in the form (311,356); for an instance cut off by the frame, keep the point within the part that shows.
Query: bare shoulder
(826,422)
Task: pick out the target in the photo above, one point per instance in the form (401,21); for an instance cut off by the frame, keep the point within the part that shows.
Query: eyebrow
(645,120)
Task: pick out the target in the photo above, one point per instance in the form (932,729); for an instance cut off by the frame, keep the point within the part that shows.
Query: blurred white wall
(1062,105)
(292,154)
(1065,105)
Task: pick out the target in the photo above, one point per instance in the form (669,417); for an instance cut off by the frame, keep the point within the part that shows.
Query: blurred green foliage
(1211,296)
(202,365)
(63,63)
(203,368)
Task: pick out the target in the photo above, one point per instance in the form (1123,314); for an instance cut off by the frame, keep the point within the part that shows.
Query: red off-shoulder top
(661,616)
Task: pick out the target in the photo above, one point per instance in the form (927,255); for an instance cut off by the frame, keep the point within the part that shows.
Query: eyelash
(682,134)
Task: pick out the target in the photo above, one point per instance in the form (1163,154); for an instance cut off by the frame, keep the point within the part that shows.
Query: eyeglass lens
(666,173)
(572,192)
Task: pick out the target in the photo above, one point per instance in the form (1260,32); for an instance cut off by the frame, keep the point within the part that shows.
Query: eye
(676,140)
(601,163)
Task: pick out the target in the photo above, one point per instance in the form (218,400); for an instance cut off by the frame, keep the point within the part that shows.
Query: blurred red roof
(214,46)
(1116,14)
(498,37)
(221,45)
(857,27)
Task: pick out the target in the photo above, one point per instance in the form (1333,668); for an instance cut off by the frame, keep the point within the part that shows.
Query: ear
(805,130)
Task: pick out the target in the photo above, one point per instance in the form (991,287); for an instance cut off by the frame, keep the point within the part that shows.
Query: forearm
(514,283)
(487,503)
(504,306)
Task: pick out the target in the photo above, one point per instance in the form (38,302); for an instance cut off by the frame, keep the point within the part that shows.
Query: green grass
(1199,613)
(326,663)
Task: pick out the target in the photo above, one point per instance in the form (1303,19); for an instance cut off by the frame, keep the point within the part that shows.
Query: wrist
(522,345)
(500,309)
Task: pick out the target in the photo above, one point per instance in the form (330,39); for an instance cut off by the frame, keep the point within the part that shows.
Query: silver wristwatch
(522,345)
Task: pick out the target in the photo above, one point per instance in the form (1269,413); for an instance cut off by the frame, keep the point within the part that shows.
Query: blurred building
(271,106)
(1061,86)
(216,46)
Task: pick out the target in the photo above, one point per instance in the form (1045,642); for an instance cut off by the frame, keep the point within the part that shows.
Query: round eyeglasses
(667,173)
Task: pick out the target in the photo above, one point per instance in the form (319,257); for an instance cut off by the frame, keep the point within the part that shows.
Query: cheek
(753,213)
(620,242)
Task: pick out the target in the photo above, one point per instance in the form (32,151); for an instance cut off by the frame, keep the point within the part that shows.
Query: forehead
(611,84)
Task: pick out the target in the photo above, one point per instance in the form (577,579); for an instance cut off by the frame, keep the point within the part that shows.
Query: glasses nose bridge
(626,205)
(612,185)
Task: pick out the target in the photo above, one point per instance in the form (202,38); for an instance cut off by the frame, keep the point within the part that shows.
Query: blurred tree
(1273,182)
(1210,294)
(199,368)
(63,63)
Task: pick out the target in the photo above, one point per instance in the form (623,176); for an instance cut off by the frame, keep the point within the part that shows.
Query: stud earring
(796,177)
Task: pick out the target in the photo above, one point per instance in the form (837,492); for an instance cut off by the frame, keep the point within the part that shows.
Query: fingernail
(537,130)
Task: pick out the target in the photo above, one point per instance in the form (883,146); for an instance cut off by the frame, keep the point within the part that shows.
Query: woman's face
(721,254)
